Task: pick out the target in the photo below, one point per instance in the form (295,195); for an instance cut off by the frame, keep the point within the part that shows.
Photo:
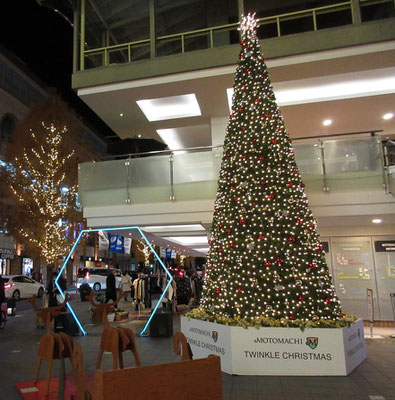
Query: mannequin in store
(126,285)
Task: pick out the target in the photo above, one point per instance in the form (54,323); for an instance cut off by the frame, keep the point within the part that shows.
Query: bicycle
(3,319)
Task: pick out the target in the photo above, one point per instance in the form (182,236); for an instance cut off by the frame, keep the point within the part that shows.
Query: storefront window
(27,267)
(353,273)
(385,266)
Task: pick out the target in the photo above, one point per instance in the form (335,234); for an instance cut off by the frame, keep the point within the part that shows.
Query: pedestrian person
(111,290)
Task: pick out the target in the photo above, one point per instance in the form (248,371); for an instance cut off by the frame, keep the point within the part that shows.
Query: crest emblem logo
(312,342)
(214,335)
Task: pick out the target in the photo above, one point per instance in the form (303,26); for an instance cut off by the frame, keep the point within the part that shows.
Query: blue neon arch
(83,331)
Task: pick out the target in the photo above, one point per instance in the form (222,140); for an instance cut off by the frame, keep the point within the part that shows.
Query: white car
(20,286)
(96,277)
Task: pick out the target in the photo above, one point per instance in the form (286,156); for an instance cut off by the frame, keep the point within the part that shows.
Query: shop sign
(382,246)
(7,254)
(278,351)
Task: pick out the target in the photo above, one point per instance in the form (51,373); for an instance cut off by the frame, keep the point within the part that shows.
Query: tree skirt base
(278,351)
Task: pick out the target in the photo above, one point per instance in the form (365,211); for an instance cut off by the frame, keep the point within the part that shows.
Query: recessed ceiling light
(336,87)
(121,114)
(170,107)
(188,240)
(170,137)
(376,221)
(327,122)
(388,116)
(167,228)
(203,249)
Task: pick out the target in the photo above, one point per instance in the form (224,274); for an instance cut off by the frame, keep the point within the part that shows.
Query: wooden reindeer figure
(114,340)
(53,346)
(179,340)
(130,345)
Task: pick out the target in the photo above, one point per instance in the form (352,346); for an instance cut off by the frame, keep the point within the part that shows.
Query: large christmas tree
(265,259)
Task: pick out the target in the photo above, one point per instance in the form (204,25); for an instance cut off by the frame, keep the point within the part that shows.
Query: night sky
(43,40)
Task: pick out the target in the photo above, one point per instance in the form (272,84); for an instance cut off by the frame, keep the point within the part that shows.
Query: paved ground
(374,379)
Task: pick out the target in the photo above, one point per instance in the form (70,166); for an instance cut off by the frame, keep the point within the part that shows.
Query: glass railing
(192,174)
(118,50)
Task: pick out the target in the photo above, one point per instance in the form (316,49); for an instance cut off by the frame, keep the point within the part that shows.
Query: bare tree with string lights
(40,176)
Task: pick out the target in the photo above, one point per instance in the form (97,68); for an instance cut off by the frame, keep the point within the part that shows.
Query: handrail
(202,148)
(372,133)
(114,46)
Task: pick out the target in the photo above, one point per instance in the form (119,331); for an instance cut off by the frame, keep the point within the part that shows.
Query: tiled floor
(374,379)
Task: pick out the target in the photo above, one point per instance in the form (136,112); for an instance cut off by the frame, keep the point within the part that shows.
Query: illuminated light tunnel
(83,331)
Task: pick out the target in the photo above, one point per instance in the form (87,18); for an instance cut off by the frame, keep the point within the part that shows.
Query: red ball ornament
(254,140)
(301,298)
(210,267)
(261,158)
(327,301)
(271,196)
(263,183)
(319,248)
(311,265)
(219,225)
(232,187)
(273,141)
(239,289)
(217,291)
(243,221)
(241,58)
(291,317)
(240,109)
(220,250)
(291,239)
(261,237)
(253,203)
(231,244)
(299,221)
(243,128)
(228,231)
(244,156)
(237,200)
(267,115)
(223,260)
(303,185)
(227,154)
(341,314)
(279,260)
(242,42)
(256,100)
(289,184)
(267,263)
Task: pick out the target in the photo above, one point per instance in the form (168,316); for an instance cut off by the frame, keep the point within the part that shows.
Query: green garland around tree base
(259,322)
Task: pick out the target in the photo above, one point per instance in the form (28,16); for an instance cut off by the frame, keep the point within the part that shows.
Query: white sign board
(278,351)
